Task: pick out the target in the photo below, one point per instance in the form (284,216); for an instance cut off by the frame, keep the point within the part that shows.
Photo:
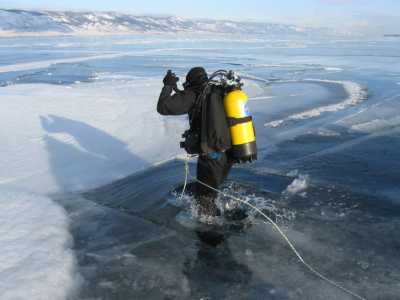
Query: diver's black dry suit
(214,163)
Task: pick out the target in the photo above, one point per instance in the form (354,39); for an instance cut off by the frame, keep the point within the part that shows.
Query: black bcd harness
(209,126)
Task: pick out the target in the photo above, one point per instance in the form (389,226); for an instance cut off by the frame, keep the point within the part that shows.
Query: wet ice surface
(327,172)
(135,239)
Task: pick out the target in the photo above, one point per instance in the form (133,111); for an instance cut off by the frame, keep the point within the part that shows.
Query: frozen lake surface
(79,129)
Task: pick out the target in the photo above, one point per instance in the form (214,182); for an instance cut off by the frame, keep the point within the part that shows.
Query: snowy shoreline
(94,33)
(14,21)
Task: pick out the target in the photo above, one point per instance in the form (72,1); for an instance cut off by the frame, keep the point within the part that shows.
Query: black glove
(170,79)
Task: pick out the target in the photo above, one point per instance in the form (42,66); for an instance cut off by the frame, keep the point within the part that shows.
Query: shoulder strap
(196,109)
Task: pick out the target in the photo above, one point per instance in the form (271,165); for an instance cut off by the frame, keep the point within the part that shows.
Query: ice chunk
(298,185)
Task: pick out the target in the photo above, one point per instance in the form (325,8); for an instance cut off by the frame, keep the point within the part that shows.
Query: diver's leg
(211,171)
(205,197)
(226,167)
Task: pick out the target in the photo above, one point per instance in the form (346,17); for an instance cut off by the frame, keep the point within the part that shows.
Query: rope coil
(270,221)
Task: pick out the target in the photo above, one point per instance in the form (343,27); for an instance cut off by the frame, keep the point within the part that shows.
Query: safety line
(284,236)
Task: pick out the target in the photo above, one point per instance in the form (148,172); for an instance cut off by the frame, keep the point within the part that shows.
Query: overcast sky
(370,15)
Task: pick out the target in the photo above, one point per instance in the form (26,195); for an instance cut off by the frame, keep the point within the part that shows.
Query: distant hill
(41,22)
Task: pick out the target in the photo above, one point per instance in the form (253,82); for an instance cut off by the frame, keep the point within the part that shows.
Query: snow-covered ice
(60,138)
(83,136)
(36,259)
(73,123)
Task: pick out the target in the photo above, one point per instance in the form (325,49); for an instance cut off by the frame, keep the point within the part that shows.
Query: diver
(210,130)
(213,164)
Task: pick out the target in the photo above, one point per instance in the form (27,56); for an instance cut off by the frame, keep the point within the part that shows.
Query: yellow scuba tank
(244,147)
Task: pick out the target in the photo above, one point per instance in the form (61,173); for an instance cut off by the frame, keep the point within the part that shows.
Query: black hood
(196,77)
